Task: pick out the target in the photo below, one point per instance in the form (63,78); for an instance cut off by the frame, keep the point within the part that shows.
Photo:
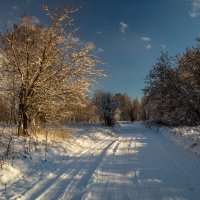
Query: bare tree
(124,105)
(45,71)
(135,110)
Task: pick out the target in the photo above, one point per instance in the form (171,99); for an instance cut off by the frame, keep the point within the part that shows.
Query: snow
(185,137)
(9,174)
(132,161)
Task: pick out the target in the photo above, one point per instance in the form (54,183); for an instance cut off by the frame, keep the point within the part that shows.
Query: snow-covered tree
(172,89)
(159,86)
(188,68)
(45,71)
(106,106)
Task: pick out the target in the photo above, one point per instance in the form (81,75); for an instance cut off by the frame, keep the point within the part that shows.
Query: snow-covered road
(138,164)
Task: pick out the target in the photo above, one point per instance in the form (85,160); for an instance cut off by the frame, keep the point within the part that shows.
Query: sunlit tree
(45,71)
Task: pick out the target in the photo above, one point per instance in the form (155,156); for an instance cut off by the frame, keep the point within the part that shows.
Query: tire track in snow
(110,154)
(72,175)
(41,186)
(76,191)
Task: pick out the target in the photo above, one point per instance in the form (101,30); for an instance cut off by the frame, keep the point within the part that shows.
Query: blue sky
(128,34)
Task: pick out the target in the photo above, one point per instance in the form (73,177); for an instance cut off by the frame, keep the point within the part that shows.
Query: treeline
(172,91)
(103,107)
(107,108)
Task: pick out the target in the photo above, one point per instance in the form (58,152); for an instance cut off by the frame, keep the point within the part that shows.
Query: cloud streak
(195,11)
(123,27)
(100,50)
(163,46)
(145,39)
(148,46)
(15,7)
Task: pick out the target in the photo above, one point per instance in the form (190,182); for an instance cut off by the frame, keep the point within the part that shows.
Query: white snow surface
(185,137)
(130,162)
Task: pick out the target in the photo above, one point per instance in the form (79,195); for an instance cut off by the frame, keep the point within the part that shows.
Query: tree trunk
(25,124)
(23,121)
(20,128)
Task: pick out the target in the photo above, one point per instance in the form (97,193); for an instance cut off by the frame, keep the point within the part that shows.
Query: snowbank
(186,137)
(9,174)
(33,163)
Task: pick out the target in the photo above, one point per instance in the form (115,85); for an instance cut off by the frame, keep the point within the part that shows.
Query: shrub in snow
(9,174)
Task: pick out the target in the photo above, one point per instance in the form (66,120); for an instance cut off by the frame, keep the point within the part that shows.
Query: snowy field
(132,161)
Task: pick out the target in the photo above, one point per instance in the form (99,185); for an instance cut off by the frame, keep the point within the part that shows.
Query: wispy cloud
(148,46)
(123,27)
(99,32)
(195,11)
(100,50)
(15,7)
(145,39)
(163,46)
(12,9)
